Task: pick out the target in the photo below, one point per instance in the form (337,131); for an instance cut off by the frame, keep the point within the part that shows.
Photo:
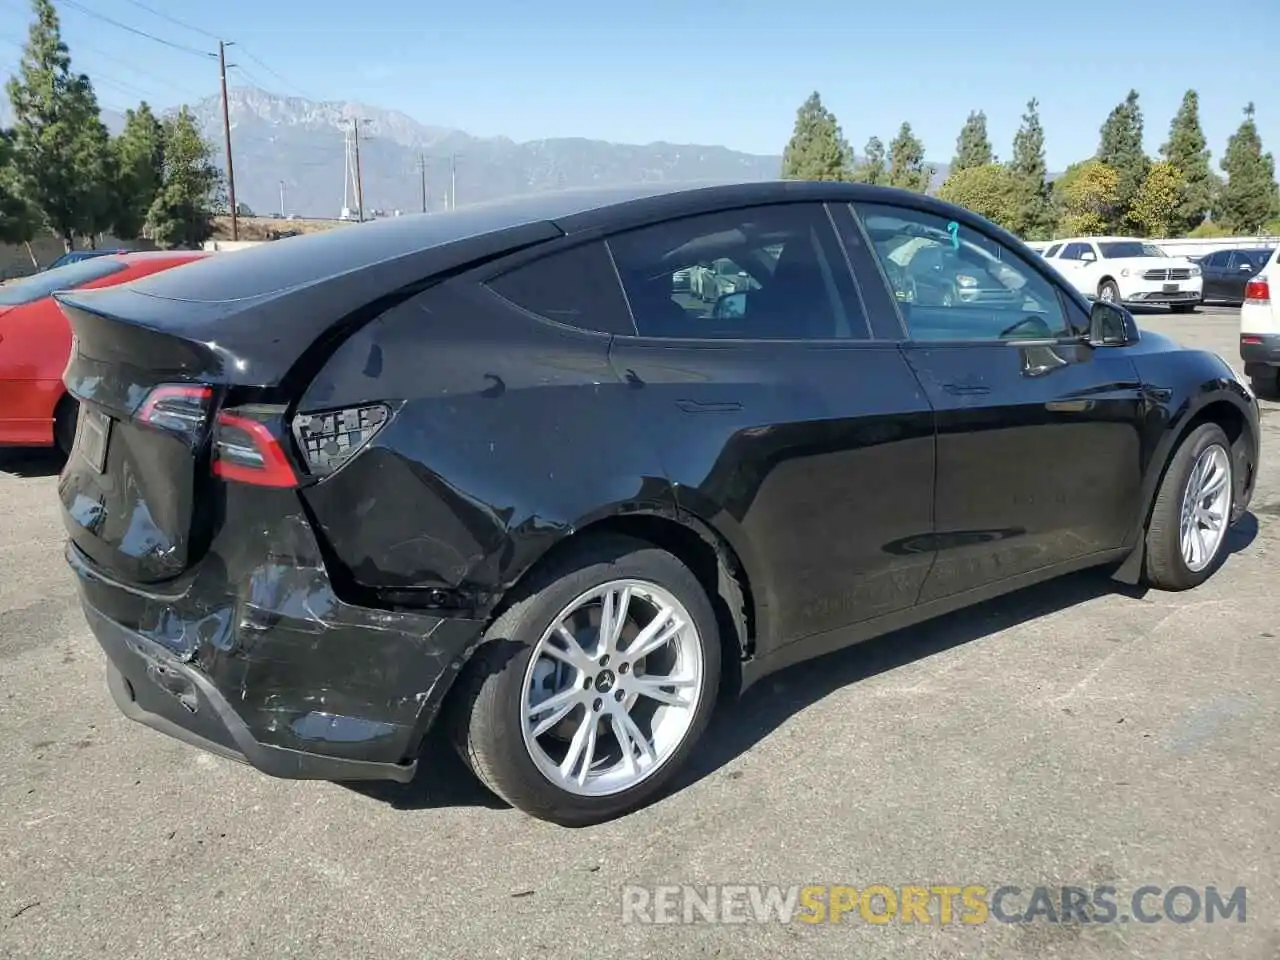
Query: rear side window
(763,273)
(1053,251)
(40,285)
(577,287)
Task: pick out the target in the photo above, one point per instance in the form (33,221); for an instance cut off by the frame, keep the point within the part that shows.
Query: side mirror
(730,306)
(1087,257)
(1111,325)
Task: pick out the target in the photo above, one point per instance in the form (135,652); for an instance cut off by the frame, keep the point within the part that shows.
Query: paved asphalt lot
(1070,734)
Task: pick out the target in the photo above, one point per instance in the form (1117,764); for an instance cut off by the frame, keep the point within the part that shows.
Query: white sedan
(1127,270)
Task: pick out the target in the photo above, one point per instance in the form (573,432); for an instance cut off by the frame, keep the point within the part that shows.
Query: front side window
(954,283)
(772,273)
(1118,249)
(68,277)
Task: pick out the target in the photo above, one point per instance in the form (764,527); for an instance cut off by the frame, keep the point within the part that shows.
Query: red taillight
(176,406)
(1251,340)
(1257,292)
(245,450)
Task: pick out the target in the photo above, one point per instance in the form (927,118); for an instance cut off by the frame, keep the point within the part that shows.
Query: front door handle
(966,389)
(709,406)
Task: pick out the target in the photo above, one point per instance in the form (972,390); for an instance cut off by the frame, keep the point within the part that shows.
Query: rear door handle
(709,406)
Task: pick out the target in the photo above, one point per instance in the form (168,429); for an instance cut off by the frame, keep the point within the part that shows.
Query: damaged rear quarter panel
(504,442)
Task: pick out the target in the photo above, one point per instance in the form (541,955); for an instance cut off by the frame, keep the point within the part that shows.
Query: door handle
(966,389)
(708,406)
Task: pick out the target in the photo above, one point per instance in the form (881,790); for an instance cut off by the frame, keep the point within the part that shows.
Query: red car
(35,341)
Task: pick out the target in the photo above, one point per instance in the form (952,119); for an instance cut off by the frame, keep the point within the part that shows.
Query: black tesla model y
(558,470)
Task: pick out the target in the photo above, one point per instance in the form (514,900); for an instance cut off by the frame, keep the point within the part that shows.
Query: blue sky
(724,73)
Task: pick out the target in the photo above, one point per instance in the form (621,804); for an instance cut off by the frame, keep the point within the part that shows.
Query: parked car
(1227,272)
(35,339)
(75,256)
(490,469)
(1127,270)
(1260,328)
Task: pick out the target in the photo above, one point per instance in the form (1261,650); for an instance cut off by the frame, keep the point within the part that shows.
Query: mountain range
(301,144)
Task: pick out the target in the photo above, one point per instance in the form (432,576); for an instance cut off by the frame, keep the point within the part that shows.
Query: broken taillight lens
(328,440)
(182,408)
(247,450)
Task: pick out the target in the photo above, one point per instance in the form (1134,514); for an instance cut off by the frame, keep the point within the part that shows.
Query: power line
(273,73)
(134,30)
(174,20)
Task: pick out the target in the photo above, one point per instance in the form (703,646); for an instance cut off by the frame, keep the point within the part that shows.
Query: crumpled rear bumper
(283,675)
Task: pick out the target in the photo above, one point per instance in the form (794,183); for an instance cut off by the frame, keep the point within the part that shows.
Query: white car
(1260,328)
(1127,270)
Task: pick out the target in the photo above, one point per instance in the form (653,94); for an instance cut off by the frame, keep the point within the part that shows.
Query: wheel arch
(1222,406)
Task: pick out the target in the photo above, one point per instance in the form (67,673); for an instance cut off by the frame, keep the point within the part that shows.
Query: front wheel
(589,693)
(1182,307)
(1108,292)
(1187,532)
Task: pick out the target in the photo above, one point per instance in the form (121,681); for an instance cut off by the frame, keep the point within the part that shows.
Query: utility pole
(453,181)
(355,121)
(422,172)
(226,129)
(281,199)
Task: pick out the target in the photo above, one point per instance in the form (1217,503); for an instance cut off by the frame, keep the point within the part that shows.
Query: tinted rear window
(68,277)
(578,287)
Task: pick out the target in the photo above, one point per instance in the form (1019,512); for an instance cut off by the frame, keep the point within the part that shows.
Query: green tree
(1187,150)
(1034,220)
(817,149)
(139,157)
(1120,148)
(906,162)
(1248,198)
(60,157)
(989,191)
(17,219)
(1159,199)
(1087,194)
(872,169)
(1209,231)
(973,147)
(182,213)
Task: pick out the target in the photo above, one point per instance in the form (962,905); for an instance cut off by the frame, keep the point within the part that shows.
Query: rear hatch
(186,377)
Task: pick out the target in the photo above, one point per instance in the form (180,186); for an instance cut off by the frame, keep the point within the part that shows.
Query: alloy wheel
(1205,505)
(612,688)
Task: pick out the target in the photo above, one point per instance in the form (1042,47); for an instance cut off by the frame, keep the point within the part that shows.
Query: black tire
(1182,307)
(1166,569)
(485,709)
(1106,285)
(66,418)
(1266,384)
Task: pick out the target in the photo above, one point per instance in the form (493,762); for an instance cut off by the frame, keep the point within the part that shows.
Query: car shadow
(27,462)
(443,780)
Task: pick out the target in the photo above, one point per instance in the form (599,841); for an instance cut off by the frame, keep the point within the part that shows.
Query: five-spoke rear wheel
(591,690)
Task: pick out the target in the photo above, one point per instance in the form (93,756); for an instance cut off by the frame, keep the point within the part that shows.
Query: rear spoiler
(254,317)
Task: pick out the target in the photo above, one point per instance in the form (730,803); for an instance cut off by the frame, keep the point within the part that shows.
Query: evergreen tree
(1120,148)
(17,219)
(1034,219)
(873,168)
(182,213)
(1155,209)
(906,161)
(817,150)
(1248,199)
(973,148)
(1186,150)
(139,157)
(60,158)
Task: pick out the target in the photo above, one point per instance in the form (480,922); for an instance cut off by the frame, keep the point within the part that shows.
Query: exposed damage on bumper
(257,658)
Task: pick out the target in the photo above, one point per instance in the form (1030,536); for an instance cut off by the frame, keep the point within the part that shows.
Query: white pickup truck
(1127,270)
